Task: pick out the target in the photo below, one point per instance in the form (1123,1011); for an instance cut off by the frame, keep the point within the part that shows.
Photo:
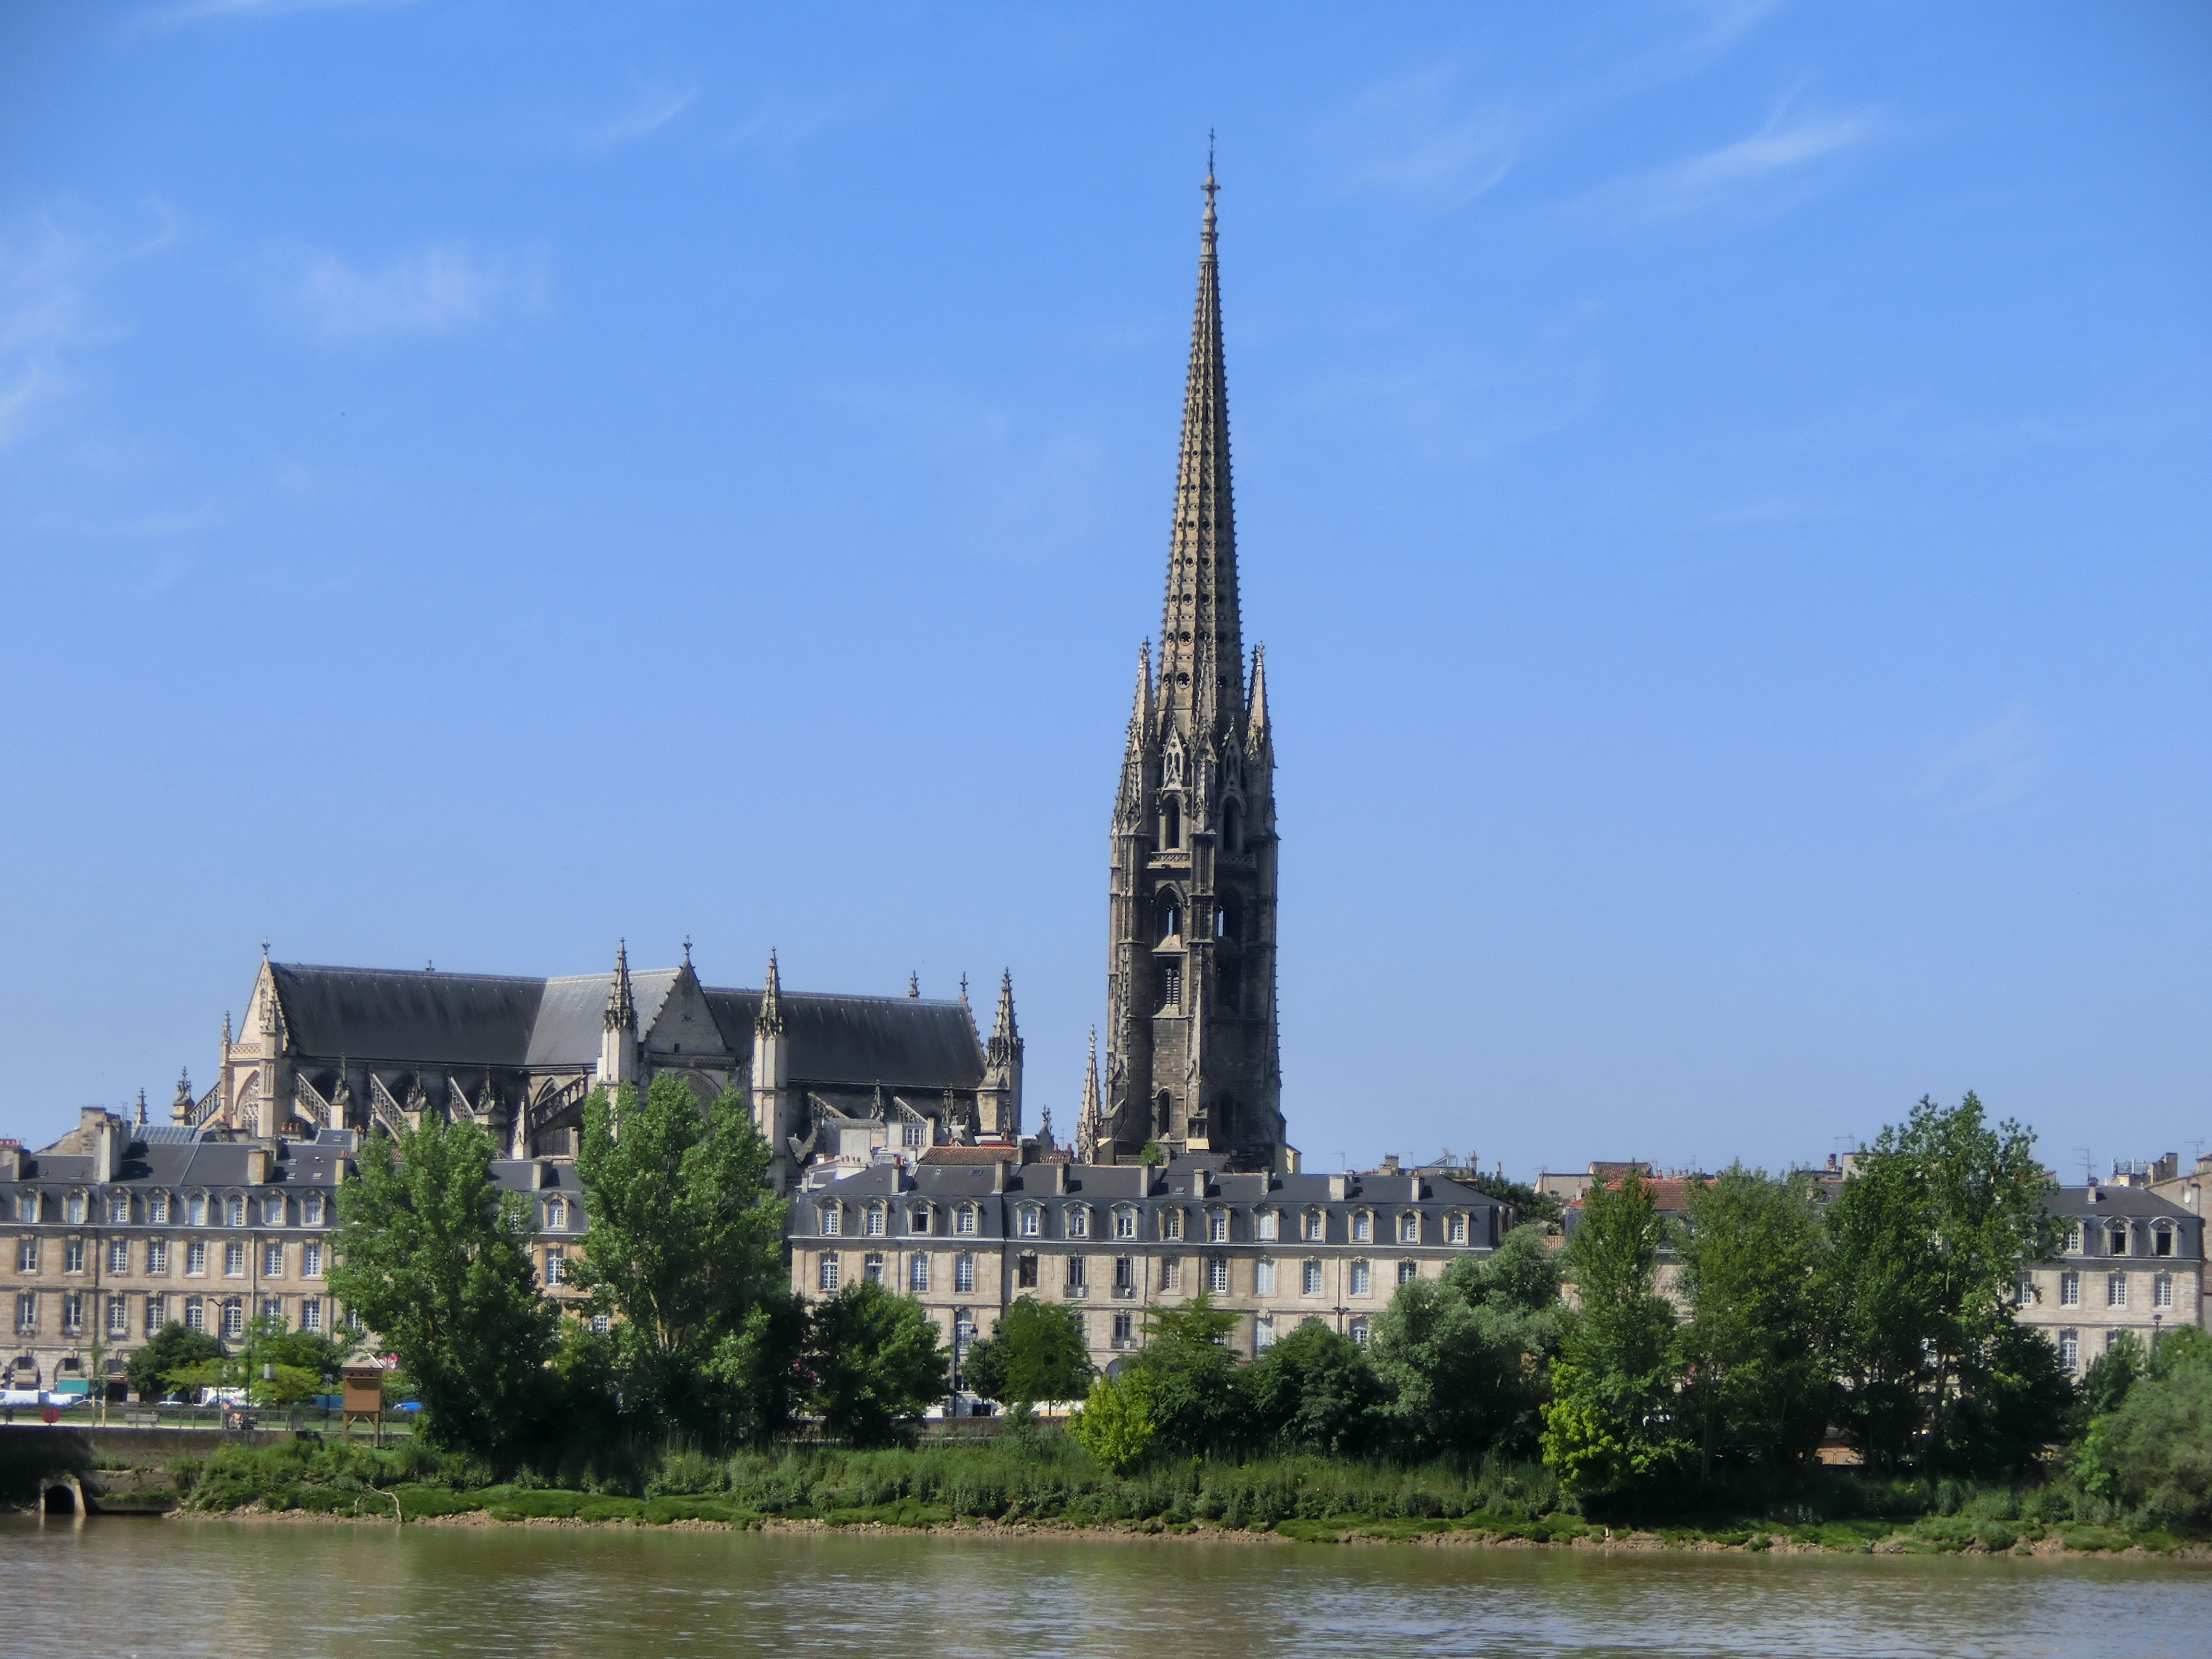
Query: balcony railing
(1125,1292)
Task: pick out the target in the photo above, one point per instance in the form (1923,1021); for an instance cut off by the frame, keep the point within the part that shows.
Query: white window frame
(1032,1221)
(964,1222)
(1317,1226)
(1217,1226)
(1310,1278)
(1362,1278)
(2069,1288)
(1125,1223)
(1264,1225)
(2116,1290)
(1263,1276)
(1217,1274)
(1409,1226)
(1077,1220)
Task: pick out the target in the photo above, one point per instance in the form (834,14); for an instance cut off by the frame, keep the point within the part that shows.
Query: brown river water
(117,1586)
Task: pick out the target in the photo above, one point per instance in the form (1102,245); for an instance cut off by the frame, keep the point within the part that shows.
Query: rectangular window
(118,1255)
(2116,1239)
(311,1314)
(917,1274)
(1359,1331)
(1263,1278)
(1317,1226)
(964,1223)
(1030,1222)
(1125,1224)
(27,1256)
(1025,1271)
(195,1258)
(1311,1285)
(1171,1273)
(1265,1230)
(73,1314)
(1076,1280)
(1171,1223)
(2161,1291)
(1408,1272)
(1171,985)
(311,1210)
(1217,1274)
(1363,1278)
(600,1324)
(1217,1227)
(233,1259)
(234,1318)
(556,1267)
(310,1260)
(157,1313)
(272,1309)
(73,1255)
(119,1209)
(963,1273)
(2161,1242)
(871,1268)
(829,1278)
(272,1261)
(1124,1329)
(1125,1274)
(912,1134)
(1263,1332)
(2070,1348)
(2023,1290)
(2116,1290)
(118,1316)
(1363,1228)
(196,1315)
(2069,1290)
(27,1312)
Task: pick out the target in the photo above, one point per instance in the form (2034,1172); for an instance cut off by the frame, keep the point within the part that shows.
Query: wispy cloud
(1990,765)
(48,273)
(439,289)
(653,111)
(1418,141)
(1766,169)
(782,123)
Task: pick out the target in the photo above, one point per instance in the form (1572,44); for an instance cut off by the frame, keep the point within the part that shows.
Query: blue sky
(1724,489)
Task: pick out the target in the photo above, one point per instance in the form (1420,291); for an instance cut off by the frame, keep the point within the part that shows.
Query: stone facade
(1191,1061)
(966,1230)
(2129,1261)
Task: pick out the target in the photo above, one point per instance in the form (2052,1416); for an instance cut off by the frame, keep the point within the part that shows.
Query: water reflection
(247,1590)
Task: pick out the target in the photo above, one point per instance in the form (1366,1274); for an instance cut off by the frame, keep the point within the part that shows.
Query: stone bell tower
(1191,1039)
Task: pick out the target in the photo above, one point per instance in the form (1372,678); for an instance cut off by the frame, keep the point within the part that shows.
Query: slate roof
(397,1017)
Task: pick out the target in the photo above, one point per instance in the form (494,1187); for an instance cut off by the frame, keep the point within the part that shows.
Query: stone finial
(770,1021)
(621,1013)
(913,986)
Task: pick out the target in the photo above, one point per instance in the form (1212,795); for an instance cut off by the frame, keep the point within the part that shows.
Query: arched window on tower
(1170,824)
(1170,906)
(1232,827)
(1171,987)
(1228,917)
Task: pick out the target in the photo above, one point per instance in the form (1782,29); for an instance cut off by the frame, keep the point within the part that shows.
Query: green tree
(1464,1358)
(1544,1207)
(1315,1391)
(686,1254)
(1927,1240)
(433,1258)
(1758,1378)
(1194,1383)
(2105,1385)
(171,1349)
(1036,1352)
(2152,1451)
(1115,1423)
(876,1362)
(1611,1423)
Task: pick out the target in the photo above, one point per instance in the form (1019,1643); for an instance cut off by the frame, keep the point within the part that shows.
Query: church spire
(1087,1124)
(1004,1036)
(770,1021)
(621,1013)
(1201,648)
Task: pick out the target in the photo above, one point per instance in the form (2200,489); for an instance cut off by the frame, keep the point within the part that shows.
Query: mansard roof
(376,1016)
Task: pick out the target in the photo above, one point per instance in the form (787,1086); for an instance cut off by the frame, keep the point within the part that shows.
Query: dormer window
(1032,1221)
(157,1208)
(1171,1223)
(2116,1239)
(1363,1226)
(1409,1227)
(73,1209)
(26,1207)
(963,1221)
(832,1220)
(1078,1222)
(1217,1226)
(1317,1226)
(234,1210)
(917,1219)
(2073,1238)
(196,1209)
(272,1211)
(1264,1222)
(1125,1224)
(878,1221)
(2161,1239)
(556,1214)
(915,1132)
(118,1210)
(1455,1227)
